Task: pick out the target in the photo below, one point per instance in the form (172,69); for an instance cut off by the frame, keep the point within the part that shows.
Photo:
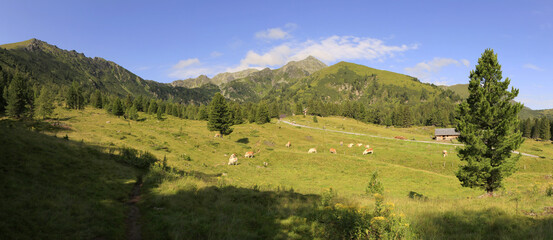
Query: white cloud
(191,67)
(328,50)
(532,66)
(216,54)
(276,33)
(428,71)
(272,34)
(185,63)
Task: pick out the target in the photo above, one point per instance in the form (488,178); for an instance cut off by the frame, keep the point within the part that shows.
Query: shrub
(374,186)
(549,191)
(139,159)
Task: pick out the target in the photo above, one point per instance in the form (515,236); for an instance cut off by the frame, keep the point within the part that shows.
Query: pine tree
(159,114)
(117,107)
(203,113)
(75,97)
(545,129)
(97,99)
(536,129)
(262,114)
(133,113)
(219,116)
(527,128)
(487,122)
(152,107)
(45,103)
(18,98)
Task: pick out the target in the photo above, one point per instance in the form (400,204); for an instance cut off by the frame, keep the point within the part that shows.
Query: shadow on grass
(53,188)
(243,140)
(226,212)
(491,223)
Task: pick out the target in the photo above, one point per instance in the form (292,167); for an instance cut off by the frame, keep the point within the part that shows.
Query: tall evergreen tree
(262,114)
(75,97)
(220,119)
(527,128)
(97,99)
(536,129)
(117,108)
(487,121)
(545,129)
(45,103)
(19,98)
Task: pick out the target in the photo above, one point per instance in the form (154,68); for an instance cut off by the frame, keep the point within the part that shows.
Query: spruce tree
(527,128)
(487,122)
(18,98)
(117,107)
(262,114)
(45,103)
(545,129)
(220,119)
(97,99)
(75,97)
(159,114)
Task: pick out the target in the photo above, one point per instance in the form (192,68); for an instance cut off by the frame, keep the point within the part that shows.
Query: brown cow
(288,144)
(217,135)
(367,151)
(248,155)
(332,150)
(400,137)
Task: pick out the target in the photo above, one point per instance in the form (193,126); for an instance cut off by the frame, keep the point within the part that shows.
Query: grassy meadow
(204,198)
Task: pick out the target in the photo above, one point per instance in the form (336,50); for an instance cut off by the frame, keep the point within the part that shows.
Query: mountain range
(301,81)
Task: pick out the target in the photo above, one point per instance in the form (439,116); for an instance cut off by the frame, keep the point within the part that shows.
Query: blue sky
(436,41)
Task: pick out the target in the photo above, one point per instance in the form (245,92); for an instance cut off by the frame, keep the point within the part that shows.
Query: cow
(233,160)
(444,152)
(359,144)
(341,143)
(350,145)
(400,137)
(312,150)
(248,155)
(367,151)
(332,150)
(288,144)
(367,146)
(217,135)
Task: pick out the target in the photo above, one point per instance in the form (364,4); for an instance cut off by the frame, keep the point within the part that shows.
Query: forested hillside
(45,64)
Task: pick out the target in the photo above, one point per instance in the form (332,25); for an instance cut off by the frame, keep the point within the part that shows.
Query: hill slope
(526,112)
(47,64)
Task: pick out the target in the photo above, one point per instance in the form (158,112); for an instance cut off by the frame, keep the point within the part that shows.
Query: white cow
(233,160)
(367,146)
(350,145)
(312,150)
(444,152)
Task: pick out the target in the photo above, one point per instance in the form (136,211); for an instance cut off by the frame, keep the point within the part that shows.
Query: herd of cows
(233,160)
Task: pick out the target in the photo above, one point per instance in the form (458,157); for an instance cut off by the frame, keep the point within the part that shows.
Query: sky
(436,41)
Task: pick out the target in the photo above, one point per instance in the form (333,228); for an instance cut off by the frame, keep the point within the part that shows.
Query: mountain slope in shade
(47,64)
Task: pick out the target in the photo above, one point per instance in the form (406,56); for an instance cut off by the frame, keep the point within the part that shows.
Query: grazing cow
(312,150)
(248,155)
(233,160)
(265,164)
(217,135)
(350,145)
(288,144)
(367,151)
(444,152)
(341,143)
(359,144)
(332,150)
(400,137)
(367,146)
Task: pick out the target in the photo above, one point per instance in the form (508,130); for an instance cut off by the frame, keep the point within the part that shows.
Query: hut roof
(446,131)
